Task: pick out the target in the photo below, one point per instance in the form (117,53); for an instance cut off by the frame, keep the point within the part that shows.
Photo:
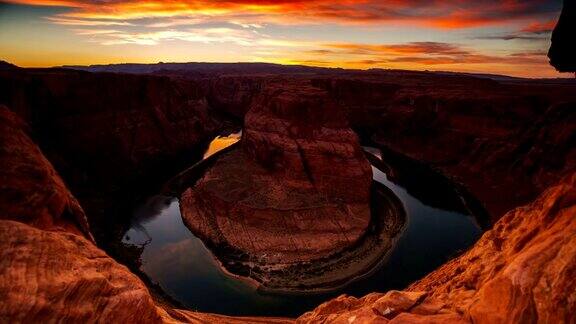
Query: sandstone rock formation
(47,275)
(521,271)
(121,130)
(458,123)
(505,141)
(108,134)
(31,191)
(233,95)
(296,192)
(302,135)
(50,268)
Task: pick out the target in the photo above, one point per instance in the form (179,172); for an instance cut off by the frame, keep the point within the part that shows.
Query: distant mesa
(206,68)
(7,66)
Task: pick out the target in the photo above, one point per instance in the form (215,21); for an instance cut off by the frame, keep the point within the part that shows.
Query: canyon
(72,155)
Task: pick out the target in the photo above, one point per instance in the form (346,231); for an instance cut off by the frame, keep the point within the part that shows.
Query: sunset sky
(489,36)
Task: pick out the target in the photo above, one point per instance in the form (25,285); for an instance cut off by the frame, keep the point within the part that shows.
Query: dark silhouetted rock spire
(562,51)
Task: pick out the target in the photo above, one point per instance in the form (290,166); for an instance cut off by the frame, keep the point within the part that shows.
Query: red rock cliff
(521,271)
(505,141)
(300,133)
(50,268)
(111,134)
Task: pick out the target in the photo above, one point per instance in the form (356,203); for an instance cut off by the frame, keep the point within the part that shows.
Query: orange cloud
(205,35)
(430,48)
(515,64)
(421,54)
(447,14)
(83,22)
(538,27)
(54,3)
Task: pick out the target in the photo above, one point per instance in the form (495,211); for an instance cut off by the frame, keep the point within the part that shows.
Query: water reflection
(150,210)
(186,270)
(221,142)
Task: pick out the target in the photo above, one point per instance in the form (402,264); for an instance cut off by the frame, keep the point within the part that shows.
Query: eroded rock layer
(30,190)
(521,271)
(296,191)
(50,268)
(108,134)
(507,141)
(302,135)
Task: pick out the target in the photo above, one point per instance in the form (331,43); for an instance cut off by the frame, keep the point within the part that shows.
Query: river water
(439,226)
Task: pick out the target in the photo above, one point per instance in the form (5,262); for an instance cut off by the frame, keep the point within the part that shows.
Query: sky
(508,37)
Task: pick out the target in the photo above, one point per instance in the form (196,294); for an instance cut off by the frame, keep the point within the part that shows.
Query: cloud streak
(199,35)
(533,31)
(447,14)
(415,54)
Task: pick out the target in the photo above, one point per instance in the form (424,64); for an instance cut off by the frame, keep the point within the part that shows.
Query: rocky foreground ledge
(521,271)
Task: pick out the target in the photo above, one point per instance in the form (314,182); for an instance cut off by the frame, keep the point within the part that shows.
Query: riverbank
(272,265)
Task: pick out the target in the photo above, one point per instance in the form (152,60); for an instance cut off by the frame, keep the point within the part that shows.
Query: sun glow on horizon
(505,37)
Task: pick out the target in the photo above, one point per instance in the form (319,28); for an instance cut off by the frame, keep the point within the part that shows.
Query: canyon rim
(423,172)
